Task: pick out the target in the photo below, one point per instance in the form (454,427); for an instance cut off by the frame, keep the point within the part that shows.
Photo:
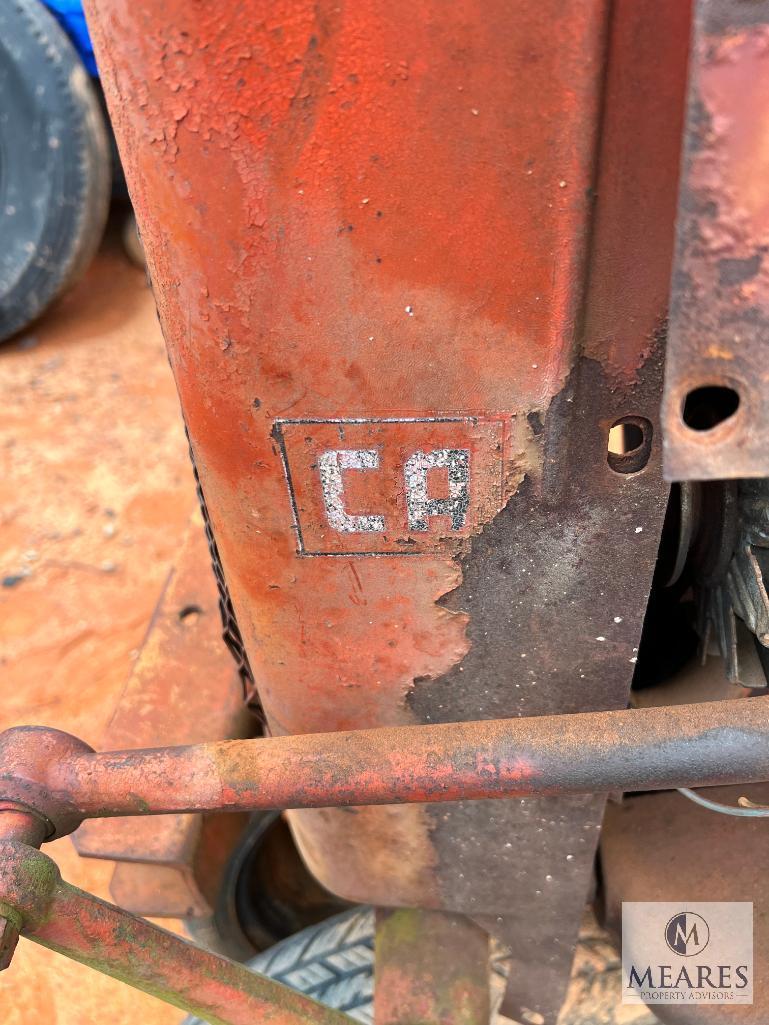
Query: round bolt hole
(189,614)
(630,444)
(707,407)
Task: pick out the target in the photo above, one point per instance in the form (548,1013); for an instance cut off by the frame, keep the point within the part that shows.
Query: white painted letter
(331,464)
(420,505)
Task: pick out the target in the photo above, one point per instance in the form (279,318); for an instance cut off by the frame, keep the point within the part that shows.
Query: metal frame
(458,237)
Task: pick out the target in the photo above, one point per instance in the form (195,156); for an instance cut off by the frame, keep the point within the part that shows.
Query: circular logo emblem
(687,934)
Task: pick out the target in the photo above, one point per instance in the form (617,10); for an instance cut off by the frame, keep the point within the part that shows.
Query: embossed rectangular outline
(277,434)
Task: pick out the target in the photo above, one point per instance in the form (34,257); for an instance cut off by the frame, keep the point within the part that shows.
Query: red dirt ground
(95,492)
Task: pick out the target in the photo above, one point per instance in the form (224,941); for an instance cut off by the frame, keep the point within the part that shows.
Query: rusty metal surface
(110,940)
(392,274)
(183,690)
(179,876)
(431,967)
(25,827)
(664,847)
(591,752)
(556,587)
(22,824)
(349,283)
(720,292)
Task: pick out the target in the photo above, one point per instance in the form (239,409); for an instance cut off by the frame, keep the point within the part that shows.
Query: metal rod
(114,942)
(23,825)
(632,749)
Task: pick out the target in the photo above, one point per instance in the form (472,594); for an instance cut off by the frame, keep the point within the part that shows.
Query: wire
(748,811)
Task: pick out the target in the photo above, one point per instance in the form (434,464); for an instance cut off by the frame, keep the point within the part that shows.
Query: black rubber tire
(54,164)
(333,962)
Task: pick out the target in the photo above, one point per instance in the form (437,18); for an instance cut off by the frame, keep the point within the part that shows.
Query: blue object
(69,14)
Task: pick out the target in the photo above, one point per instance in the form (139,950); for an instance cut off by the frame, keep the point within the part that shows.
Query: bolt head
(9,937)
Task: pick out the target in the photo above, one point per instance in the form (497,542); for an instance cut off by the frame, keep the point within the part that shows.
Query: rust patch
(720,295)
(554,621)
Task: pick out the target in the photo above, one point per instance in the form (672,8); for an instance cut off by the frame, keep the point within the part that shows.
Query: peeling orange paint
(358,212)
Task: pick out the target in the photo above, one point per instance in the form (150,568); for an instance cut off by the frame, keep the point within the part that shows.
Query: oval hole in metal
(629,444)
(709,406)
